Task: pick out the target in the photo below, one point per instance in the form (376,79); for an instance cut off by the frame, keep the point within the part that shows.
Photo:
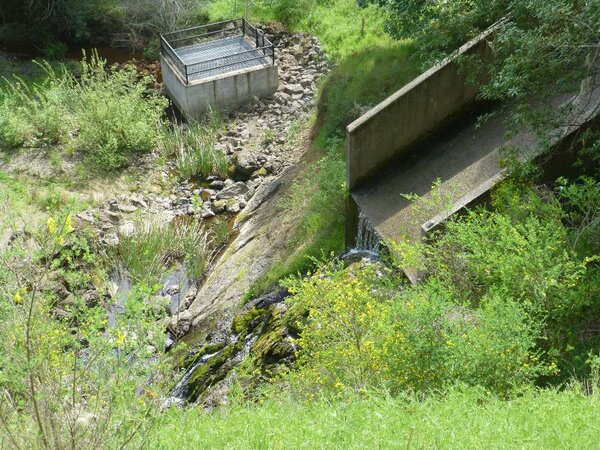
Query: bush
(67,378)
(108,117)
(340,341)
(39,111)
(506,302)
(361,334)
(116,117)
(434,340)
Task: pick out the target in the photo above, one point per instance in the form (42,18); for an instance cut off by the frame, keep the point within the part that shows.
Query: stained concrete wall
(389,132)
(223,92)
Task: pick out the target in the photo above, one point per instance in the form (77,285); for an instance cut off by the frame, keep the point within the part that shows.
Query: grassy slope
(460,420)
(369,66)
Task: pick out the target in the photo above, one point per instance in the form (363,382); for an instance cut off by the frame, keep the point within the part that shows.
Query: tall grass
(461,419)
(156,247)
(193,147)
(109,117)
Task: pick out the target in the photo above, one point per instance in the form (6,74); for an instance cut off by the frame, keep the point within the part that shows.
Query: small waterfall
(179,392)
(367,239)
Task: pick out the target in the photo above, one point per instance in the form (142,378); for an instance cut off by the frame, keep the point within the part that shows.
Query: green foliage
(156,247)
(115,116)
(435,340)
(196,155)
(342,25)
(66,378)
(340,343)
(506,302)
(108,117)
(359,82)
(543,49)
(463,418)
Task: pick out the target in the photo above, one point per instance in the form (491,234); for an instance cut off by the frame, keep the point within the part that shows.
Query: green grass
(342,26)
(109,117)
(461,419)
(194,149)
(359,82)
(156,247)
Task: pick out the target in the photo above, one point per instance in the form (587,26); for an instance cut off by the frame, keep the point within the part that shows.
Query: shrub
(34,111)
(108,117)
(435,340)
(361,334)
(115,115)
(506,302)
(66,378)
(340,339)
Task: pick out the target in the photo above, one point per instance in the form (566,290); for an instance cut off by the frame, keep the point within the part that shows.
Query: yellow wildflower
(120,338)
(68,225)
(51,225)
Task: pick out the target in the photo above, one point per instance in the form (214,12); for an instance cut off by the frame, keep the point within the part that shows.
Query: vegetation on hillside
(107,117)
(498,340)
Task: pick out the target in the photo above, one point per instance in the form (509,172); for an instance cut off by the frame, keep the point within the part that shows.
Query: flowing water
(367,239)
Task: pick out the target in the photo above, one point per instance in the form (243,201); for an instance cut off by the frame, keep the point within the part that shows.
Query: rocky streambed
(263,144)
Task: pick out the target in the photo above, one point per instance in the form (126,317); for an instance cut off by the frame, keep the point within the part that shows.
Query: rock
(110,240)
(112,216)
(91,298)
(172,290)
(245,165)
(138,200)
(127,208)
(234,190)
(127,229)
(233,206)
(293,89)
(206,213)
(161,304)
(217,184)
(219,206)
(86,216)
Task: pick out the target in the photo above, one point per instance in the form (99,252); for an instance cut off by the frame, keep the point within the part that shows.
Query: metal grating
(219,57)
(215,49)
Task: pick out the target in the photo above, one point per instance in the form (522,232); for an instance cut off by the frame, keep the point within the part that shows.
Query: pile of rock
(259,141)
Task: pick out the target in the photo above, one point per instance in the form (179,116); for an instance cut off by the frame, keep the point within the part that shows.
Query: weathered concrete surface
(224,92)
(462,158)
(264,233)
(466,159)
(391,129)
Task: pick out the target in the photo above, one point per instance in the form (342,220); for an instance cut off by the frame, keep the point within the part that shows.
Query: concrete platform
(208,59)
(463,158)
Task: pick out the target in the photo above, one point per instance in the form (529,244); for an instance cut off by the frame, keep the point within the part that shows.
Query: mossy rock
(192,358)
(210,373)
(274,345)
(246,321)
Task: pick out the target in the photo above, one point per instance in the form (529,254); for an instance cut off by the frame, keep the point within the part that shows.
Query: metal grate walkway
(213,58)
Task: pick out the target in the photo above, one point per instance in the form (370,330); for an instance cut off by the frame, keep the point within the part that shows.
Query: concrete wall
(388,132)
(224,92)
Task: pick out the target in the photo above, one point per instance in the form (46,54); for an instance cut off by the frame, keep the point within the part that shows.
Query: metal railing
(173,44)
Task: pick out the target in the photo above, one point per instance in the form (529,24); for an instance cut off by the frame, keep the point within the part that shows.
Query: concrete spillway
(464,158)
(430,133)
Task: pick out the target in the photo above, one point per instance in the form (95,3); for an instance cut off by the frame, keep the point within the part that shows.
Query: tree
(543,48)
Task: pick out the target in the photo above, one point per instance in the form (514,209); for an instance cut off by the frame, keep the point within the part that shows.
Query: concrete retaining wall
(224,92)
(389,131)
